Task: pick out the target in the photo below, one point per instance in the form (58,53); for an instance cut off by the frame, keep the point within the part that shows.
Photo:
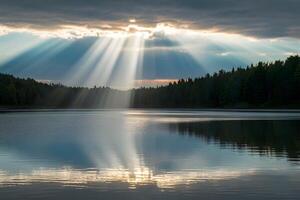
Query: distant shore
(35,109)
(263,86)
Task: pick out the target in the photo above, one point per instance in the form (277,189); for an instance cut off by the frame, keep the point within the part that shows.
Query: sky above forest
(127,43)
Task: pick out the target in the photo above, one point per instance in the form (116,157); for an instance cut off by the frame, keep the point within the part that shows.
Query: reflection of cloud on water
(137,177)
(108,147)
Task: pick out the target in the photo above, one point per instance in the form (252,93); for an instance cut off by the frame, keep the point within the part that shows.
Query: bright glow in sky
(132,55)
(71,32)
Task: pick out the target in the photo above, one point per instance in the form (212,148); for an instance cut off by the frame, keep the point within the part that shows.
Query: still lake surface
(149,154)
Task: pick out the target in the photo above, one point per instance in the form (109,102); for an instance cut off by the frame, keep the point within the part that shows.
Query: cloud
(258,18)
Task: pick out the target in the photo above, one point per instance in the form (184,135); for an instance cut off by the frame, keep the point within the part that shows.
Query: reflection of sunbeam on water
(137,177)
(116,159)
(115,153)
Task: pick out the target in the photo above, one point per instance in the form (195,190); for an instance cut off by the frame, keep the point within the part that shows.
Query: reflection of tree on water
(276,138)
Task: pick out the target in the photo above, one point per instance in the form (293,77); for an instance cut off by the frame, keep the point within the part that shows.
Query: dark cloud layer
(261,18)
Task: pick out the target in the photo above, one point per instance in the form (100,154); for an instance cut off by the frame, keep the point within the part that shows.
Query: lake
(149,154)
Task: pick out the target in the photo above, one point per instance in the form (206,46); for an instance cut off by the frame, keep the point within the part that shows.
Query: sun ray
(104,67)
(18,45)
(130,61)
(80,71)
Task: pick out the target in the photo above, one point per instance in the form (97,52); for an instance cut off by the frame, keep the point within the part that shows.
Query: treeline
(18,93)
(264,85)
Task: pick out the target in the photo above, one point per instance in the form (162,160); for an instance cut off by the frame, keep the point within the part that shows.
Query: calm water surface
(139,154)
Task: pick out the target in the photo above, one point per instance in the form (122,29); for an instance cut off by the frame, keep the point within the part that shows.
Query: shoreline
(259,110)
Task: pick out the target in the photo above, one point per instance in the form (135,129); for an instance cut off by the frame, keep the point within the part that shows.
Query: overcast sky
(261,18)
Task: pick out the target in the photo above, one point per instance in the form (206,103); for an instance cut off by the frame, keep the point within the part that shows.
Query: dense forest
(28,93)
(265,85)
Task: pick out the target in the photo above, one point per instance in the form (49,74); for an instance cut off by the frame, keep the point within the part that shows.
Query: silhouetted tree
(264,85)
